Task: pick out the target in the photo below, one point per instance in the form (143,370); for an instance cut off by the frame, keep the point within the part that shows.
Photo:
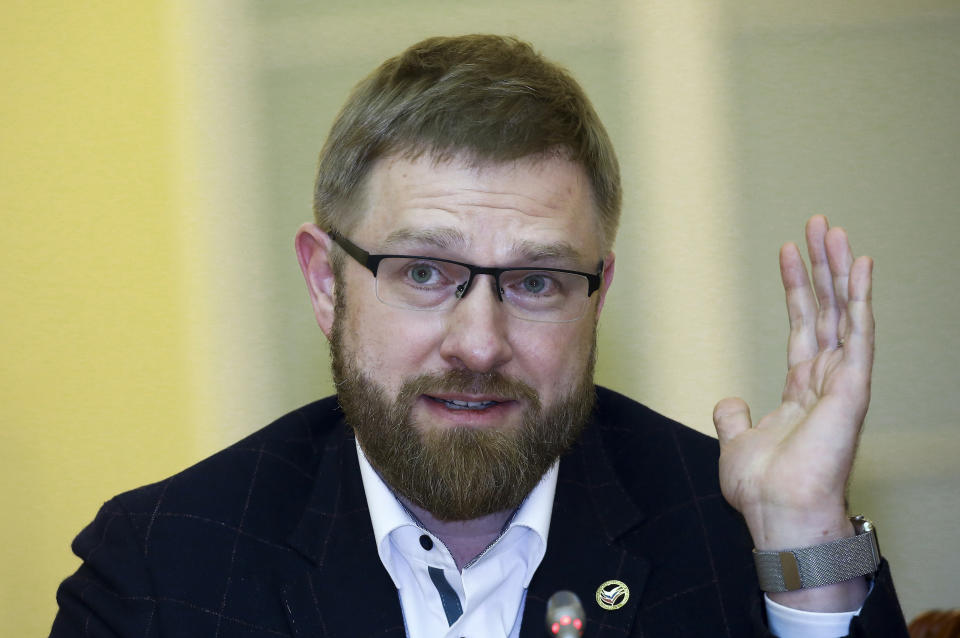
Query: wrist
(778,529)
(825,577)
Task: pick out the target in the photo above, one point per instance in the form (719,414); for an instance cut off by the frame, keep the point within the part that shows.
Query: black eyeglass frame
(372,263)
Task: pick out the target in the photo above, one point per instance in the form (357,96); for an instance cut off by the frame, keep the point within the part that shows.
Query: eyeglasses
(552,295)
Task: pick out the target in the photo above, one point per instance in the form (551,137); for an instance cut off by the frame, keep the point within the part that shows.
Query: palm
(793,466)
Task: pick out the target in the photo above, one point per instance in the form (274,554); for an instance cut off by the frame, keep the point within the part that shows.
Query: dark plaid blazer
(272,537)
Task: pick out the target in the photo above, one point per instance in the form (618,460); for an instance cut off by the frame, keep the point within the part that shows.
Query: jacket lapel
(344,589)
(591,511)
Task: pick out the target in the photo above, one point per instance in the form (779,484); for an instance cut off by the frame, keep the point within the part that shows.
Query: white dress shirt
(491,589)
(788,622)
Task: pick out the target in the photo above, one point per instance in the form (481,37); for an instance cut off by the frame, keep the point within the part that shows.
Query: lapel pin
(613,594)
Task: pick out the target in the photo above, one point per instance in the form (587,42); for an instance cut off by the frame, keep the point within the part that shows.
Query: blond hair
(484,98)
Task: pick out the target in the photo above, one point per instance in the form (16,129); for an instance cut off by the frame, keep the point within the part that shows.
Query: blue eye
(534,284)
(421,273)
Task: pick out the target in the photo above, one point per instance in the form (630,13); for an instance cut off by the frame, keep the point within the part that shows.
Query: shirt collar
(387,514)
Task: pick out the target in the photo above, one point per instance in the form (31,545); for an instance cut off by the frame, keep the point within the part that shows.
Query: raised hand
(788,474)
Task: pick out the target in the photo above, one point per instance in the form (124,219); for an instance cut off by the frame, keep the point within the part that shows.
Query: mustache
(467,381)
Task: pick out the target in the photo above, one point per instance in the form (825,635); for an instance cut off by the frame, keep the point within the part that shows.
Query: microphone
(565,615)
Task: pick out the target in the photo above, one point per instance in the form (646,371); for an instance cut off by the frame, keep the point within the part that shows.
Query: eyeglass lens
(539,295)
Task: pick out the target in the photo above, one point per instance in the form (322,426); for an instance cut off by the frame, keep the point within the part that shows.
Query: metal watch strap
(820,565)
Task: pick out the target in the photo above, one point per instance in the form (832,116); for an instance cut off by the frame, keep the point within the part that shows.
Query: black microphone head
(565,615)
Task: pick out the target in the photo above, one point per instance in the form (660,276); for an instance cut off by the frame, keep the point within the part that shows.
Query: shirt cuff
(787,622)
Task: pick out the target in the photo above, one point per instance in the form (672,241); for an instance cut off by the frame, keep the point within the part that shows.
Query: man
(466,205)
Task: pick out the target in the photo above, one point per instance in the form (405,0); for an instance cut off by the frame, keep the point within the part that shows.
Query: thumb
(731,417)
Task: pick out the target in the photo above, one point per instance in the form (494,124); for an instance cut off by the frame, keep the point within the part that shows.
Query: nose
(476,335)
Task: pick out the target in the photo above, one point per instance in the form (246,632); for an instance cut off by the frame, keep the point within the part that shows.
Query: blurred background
(157,157)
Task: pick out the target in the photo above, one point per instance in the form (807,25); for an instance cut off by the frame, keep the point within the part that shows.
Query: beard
(457,473)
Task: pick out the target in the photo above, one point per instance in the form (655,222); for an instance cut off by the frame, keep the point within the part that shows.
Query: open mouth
(456,404)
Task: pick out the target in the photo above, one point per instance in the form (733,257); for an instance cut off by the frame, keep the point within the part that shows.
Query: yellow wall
(93,383)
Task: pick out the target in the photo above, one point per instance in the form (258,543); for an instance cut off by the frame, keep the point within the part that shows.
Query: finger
(840,258)
(859,338)
(828,314)
(801,306)
(731,417)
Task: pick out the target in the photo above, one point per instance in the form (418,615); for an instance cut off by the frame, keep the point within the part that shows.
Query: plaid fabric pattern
(272,537)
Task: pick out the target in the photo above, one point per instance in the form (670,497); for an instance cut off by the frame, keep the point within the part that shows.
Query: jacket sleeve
(880,616)
(111,594)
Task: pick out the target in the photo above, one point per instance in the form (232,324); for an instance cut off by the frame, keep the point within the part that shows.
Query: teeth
(467,405)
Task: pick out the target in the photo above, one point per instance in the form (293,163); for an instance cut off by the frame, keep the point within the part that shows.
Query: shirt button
(426,543)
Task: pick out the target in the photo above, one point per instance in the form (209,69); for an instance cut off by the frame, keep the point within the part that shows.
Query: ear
(313,252)
(608,268)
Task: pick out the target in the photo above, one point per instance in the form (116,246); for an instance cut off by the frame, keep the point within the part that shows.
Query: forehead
(497,211)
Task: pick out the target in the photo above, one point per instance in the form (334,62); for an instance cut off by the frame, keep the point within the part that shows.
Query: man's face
(463,410)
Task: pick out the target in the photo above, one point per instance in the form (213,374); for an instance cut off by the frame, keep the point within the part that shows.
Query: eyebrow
(536,251)
(451,239)
(444,238)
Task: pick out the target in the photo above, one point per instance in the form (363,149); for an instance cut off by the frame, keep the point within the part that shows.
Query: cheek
(554,357)
(392,345)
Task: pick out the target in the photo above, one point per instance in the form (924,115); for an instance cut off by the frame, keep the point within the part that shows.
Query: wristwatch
(820,565)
